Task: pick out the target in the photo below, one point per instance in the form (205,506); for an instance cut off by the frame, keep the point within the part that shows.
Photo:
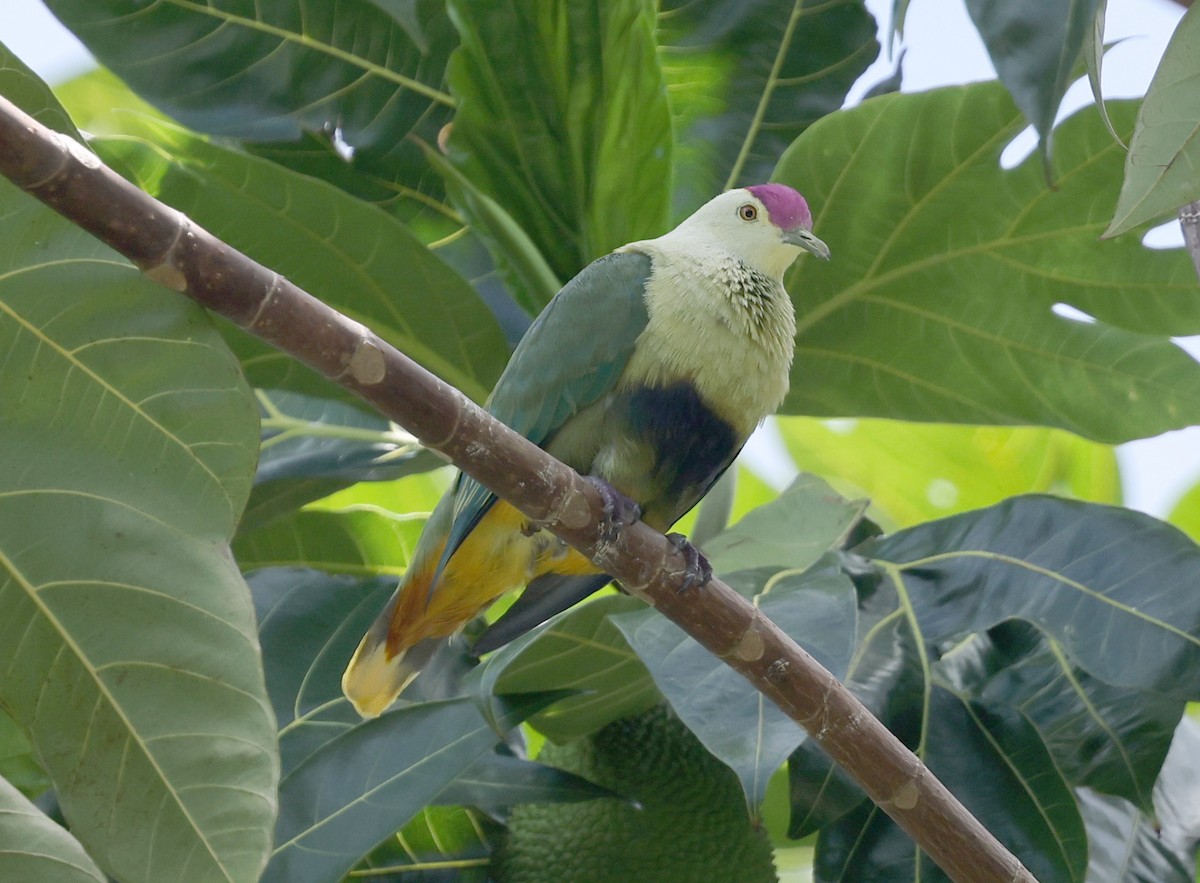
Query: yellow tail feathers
(372,681)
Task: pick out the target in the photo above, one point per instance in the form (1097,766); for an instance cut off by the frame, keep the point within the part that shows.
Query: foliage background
(351,546)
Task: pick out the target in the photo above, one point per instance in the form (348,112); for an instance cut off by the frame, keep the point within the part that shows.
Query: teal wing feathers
(569,358)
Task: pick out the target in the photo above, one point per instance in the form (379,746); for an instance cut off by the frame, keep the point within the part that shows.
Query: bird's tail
(377,672)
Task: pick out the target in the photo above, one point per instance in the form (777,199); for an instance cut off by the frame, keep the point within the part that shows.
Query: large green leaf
(915,472)
(939,302)
(356,257)
(366,782)
(1162,169)
(563,121)
(996,766)
(1079,571)
(127,449)
(32,847)
(311,74)
(791,531)
(747,78)
(314,447)
(739,725)
(579,650)
(1035,46)
(17,763)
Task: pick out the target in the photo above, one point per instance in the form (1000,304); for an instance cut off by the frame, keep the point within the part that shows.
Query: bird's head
(765,225)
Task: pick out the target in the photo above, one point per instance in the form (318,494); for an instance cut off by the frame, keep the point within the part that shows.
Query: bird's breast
(732,344)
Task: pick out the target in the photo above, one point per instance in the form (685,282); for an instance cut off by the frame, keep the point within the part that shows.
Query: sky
(941,48)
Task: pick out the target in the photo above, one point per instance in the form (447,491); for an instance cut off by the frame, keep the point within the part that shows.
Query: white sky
(942,47)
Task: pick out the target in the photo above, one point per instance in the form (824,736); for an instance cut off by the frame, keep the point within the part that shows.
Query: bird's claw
(697,570)
(619,510)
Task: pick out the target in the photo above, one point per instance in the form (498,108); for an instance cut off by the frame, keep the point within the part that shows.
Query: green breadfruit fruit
(692,825)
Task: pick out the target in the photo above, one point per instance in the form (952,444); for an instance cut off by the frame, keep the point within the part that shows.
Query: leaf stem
(765,99)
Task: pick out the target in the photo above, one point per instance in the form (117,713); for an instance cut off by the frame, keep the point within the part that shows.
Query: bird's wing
(571,356)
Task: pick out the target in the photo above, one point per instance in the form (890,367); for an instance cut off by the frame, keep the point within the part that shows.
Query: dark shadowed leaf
(498,781)
(312,447)
(1107,584)
(563,121)
(366,782)
(1035,46)
(307,77)
(1108,738)
(579,650)
(937,305)
(995,764)
(747,78)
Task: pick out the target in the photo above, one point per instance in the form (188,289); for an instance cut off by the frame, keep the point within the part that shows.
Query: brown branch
(186,258)
(1189,220)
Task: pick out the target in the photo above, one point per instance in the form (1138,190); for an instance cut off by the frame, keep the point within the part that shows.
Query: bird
(646,373)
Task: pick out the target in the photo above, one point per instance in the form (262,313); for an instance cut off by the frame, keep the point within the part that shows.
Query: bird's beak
(805,239)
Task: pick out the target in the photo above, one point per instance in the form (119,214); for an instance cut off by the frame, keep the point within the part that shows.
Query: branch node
(907,795)
(366,363)
(69,149)
(750,646)
(167,271)
(268,297)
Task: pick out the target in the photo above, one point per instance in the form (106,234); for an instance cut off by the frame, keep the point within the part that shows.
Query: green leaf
(314,447)
(1093,59)
(745,79)
(356,542)
(25,89)
(32,847)
(442,844)
(1077,571)
(356,257)
(128,447)
(939,306)
(563,121)
(366,782)
(17,764)
(995,764)
(1035,45)
(792,531)
(740,726)
(1186,513)
(580,650)
(278,71)
(498,781)
(1110,739)
(1162,169)
(915,472)
(1124,846)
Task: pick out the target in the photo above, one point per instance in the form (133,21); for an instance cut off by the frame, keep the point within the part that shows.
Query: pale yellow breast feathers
(727,329)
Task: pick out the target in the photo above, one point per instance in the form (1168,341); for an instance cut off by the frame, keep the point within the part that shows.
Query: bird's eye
(748,212)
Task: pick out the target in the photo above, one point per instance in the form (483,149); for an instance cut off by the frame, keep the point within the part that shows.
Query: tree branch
(188,259)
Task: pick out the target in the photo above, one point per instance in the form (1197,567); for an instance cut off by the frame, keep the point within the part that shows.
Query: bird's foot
(619,510)
(697,570)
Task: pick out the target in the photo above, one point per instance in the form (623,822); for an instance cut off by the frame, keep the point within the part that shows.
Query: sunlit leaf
(563,121)
(914,472)
(1162,169)
(939,302)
